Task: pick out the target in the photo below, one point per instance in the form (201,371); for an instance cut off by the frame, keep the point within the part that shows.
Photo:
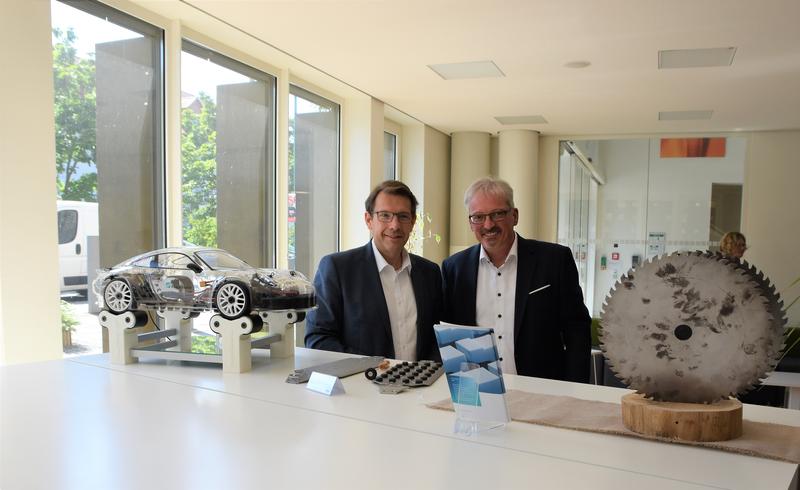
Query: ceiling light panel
(471,69)
(684,115)
(505,120)
(696,58)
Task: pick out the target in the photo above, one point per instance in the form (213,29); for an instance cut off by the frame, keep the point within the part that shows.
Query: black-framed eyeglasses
(402,217)
(495,216)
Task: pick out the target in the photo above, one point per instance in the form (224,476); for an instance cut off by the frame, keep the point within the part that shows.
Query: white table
(84,423)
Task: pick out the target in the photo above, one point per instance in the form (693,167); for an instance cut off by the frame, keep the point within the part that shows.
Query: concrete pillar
(518,164)
(470,160)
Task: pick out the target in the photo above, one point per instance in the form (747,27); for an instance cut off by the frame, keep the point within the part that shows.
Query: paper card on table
(325,384)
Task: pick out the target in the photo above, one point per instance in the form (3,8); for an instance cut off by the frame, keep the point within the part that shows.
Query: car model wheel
(232,301)
(118,296)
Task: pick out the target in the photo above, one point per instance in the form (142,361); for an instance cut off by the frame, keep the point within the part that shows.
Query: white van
(76,221)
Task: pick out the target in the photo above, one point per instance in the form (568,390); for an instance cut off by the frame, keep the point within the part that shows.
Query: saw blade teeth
(694,281)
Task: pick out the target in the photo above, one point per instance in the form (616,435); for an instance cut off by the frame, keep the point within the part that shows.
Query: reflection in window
(313,179)
(227,150)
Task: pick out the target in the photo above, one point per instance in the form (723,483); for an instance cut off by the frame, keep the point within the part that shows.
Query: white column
(362,165)
(518,164)
(469,160)
(29,293)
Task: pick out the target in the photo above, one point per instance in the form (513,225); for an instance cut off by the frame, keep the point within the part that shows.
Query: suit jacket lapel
(420,291)
(373,283)
(526,269)
(471,285)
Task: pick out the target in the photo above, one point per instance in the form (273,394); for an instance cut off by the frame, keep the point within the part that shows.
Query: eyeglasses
(402,217)
(495,216)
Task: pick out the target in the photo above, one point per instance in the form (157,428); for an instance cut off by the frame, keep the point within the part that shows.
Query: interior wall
(437,194)
(29,291)
(771,201)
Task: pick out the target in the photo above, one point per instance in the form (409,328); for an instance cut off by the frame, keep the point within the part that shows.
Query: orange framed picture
(692,147)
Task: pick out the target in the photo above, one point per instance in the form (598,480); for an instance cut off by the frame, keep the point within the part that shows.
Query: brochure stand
(470,359)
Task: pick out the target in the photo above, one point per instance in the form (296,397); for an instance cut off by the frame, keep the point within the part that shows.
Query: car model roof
(185,250)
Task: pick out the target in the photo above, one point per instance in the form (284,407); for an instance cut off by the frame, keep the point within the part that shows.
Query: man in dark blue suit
(378,299)
(526,290)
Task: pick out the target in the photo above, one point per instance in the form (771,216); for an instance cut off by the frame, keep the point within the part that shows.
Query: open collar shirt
(401,303)
(495,302)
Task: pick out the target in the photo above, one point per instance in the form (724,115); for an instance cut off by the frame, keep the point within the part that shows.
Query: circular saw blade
(692,327)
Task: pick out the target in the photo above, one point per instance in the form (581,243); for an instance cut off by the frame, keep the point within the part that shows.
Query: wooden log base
(719,421)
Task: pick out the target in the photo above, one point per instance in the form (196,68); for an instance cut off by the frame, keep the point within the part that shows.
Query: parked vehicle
(198,279)
(76,221)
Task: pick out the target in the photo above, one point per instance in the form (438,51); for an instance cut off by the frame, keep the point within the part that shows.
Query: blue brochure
(469,355)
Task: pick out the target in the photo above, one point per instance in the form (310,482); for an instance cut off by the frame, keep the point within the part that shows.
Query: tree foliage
(75,119)
(199,172)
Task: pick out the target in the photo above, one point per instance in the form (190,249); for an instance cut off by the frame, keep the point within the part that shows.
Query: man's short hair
(393,187)
(491,187)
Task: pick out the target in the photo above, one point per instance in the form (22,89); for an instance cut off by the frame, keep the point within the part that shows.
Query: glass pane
(313,179)
(108,140)
(227,150)
(389,156)
(67,225)
(680,202)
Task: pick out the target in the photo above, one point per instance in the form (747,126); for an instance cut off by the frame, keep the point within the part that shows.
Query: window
(67,226)
(173,261)
(313,179)
(228,155)
(108,105)
(389,156)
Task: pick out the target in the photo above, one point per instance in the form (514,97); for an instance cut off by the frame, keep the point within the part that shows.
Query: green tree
(75,119)
(199,172)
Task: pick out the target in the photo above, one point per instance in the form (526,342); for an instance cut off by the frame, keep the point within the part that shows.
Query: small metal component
(391,389)
(692,327)
(340,368)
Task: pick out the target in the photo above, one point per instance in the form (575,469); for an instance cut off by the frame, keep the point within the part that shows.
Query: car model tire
(118,296)
(232,300)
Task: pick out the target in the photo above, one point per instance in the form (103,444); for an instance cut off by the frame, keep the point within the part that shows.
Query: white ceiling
(383,47)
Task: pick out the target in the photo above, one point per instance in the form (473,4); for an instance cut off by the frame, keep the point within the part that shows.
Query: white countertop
(84,423)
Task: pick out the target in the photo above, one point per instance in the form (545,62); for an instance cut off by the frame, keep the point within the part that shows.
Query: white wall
(771,204)
(29,292)
(437,193)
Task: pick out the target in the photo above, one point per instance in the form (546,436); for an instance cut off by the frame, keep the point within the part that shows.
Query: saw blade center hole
(683,332)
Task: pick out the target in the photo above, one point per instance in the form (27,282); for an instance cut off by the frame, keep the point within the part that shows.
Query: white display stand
(123,334)
(128,341)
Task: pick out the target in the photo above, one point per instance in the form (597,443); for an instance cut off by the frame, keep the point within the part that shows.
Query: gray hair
(491,187)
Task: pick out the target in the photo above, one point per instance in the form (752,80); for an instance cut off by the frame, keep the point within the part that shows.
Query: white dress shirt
(495,300)
(401,303)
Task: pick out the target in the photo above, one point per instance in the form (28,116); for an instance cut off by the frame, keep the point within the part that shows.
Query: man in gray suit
(378,299)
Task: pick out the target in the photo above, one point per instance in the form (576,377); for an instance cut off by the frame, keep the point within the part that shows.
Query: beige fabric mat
(772,441)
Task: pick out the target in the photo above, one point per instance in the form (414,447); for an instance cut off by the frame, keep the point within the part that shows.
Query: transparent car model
(198,279)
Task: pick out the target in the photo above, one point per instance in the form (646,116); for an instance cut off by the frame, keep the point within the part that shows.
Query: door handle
(77,249)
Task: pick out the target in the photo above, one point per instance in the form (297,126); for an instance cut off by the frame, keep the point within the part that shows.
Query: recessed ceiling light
(505,120)
(577,64)
(684,115)
(695,58)
(471,69)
